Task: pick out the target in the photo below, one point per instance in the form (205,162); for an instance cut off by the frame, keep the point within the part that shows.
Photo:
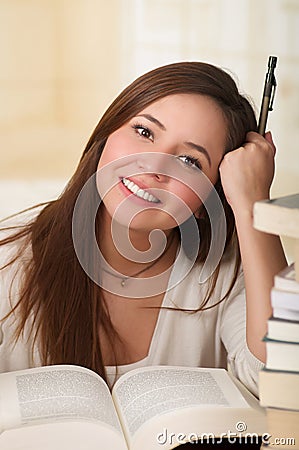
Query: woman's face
(154,170)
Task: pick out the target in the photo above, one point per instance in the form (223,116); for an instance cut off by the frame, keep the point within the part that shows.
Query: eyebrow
(192,145)
(154,120)
(201,149)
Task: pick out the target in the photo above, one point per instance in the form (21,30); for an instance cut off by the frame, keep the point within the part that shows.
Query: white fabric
(212,338)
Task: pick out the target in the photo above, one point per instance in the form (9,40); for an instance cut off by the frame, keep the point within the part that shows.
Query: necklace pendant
(123,282)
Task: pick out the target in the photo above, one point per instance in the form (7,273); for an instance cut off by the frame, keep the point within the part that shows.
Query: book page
(143,394)
(163,407)
(54,393)
(62,435)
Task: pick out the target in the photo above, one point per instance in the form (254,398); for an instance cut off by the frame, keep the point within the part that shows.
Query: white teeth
(130,185)
(139,192)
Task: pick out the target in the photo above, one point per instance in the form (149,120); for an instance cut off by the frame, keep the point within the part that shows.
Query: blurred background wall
(64,61)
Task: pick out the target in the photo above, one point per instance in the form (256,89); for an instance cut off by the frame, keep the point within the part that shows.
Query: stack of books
(279,380)
(280,216)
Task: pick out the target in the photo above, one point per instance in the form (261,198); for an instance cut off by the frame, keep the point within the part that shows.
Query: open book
(71,408)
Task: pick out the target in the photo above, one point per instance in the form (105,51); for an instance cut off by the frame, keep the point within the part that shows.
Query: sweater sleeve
(242,363)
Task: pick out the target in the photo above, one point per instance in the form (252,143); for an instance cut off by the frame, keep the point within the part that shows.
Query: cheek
(108,155)
(116,147)
(193,197)
(187,196)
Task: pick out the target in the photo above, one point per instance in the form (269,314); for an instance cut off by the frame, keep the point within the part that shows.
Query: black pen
(268,95)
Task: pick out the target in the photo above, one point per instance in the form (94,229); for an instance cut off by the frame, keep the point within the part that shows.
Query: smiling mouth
(141,193)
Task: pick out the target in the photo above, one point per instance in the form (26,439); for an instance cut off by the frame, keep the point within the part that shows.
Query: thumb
(268,137)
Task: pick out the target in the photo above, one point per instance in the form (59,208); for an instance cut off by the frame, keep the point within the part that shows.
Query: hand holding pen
(268,95)
(246,176)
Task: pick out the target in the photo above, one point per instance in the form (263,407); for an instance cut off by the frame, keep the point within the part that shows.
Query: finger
(253,136)
(256,138)
(268,137)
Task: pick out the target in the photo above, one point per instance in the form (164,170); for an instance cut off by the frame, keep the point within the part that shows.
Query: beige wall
(63,61)
(59,70)
(238,35)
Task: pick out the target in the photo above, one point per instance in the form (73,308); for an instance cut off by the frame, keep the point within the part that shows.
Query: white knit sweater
(212,338)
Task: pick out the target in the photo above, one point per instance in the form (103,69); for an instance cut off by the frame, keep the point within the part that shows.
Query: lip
(139,200)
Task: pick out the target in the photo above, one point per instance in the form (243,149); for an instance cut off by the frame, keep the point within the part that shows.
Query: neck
(128,251)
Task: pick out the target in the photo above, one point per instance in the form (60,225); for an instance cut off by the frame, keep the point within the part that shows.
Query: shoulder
(12,250)
(15,233)
(15,252)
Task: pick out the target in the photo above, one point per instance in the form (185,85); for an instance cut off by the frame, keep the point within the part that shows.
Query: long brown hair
(67,305)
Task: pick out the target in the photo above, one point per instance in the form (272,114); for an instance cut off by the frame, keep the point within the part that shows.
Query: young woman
(138,262)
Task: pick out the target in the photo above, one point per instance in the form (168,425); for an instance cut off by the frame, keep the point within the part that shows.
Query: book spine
(280,216)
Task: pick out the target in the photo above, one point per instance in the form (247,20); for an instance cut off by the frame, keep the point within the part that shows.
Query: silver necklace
(126,278)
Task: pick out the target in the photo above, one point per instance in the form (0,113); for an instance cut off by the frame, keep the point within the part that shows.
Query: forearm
(262,257)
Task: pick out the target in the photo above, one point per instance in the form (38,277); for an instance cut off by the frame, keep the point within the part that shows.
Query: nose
(154,164)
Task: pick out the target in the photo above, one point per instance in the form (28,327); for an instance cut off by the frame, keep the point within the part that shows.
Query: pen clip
(274,84)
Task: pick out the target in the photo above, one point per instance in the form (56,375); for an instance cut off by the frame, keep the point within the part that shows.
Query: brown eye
(143,132)
(191,162)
